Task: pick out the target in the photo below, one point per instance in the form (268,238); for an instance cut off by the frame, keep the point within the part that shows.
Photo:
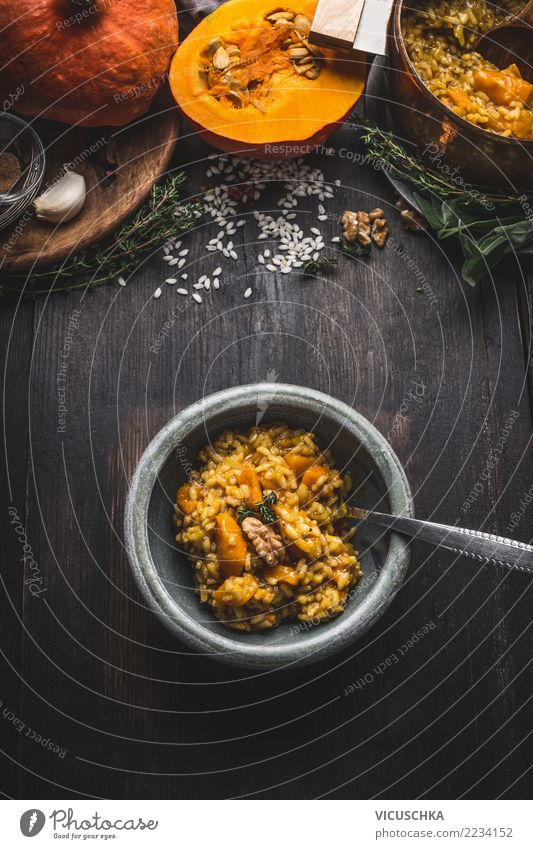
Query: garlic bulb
(62,200)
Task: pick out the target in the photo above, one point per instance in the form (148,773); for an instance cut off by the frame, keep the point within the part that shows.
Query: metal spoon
(511,41)
(475,544)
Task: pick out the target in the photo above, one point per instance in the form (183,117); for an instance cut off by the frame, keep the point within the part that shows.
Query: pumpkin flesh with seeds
(249,80)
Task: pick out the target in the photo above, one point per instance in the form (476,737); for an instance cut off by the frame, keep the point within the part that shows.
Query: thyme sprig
(487,223)
(263,508)
(317,266)
(355,250)
(244,512)
(121,254)
(408,166)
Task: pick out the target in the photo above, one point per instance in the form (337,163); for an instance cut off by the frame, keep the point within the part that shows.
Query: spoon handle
(478,545)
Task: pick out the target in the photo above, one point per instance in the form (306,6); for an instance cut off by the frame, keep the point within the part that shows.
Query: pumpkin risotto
(439,38)
(256,520)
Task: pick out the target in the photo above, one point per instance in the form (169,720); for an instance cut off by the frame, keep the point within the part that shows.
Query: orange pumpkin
(252,492)
(91,65)
(231,545)
(263,104)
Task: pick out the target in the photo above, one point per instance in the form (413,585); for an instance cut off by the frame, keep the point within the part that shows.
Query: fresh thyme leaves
(122,253)
(355,250)
(317,266)
(243,512)
(263,508)
(405,165)
(487,223)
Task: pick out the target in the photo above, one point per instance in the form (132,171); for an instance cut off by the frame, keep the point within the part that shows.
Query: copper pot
(473,154)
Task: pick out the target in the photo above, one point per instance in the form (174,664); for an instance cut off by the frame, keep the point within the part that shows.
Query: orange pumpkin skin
(93,65)
(301,117)
(269,151)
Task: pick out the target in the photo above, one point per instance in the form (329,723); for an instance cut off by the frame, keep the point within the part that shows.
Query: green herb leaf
(244,511)
(484,240)
(487,223)
(266,514)
(355,250)
(263,508)
(317,266)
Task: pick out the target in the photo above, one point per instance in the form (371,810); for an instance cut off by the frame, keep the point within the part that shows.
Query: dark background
(87,666)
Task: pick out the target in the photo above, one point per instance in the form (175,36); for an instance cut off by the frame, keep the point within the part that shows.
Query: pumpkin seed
(314,50)
(307,60)
(301,69)
(226,78)
(302,24)
(235,98)
(298,52)
(312,73)
(213,46)
(281,16)
(233,50)
(221,59)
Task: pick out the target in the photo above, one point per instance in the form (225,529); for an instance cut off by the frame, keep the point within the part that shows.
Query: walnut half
(365,227)
(356,227)
(411,219)
(264,539)
(380,228)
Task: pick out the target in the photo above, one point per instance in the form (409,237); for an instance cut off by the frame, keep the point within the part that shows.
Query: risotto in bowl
(460,110)
(261,522)
(234,526)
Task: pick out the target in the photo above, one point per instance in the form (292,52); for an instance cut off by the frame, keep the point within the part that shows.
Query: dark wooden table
(87,669)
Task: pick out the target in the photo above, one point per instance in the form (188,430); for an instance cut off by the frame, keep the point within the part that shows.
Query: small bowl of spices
(22,164)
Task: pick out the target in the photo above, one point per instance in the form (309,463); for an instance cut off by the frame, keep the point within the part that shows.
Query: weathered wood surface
(88,666)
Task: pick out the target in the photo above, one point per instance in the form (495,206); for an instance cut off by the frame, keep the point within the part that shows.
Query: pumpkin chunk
(313,475)
(184,500)
(281,573)
(299,463)
(503,87)
(459,98)
(250,486)
(231,545)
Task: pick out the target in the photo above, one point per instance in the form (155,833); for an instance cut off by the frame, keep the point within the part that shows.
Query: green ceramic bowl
(163,572)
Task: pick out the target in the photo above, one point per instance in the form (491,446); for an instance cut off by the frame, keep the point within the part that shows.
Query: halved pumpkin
(250,82)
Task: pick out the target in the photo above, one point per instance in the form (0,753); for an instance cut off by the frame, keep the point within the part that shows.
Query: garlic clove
(63,199)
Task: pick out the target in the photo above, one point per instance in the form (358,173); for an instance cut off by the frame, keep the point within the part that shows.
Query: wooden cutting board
(120,165)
